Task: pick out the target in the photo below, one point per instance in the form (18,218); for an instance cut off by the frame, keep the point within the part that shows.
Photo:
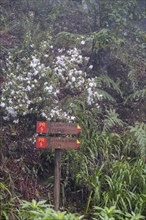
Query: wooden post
(57,176)
(58,143)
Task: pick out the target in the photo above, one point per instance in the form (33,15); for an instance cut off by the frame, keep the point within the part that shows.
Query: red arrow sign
(68,143)
(58,128)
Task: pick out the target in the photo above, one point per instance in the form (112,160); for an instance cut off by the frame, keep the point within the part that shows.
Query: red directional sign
(58,128)
(68,143)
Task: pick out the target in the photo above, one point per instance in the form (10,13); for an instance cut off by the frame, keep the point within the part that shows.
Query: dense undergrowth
(72,62)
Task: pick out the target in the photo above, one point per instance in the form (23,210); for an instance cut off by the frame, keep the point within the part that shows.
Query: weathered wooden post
(58,143)
(57,177)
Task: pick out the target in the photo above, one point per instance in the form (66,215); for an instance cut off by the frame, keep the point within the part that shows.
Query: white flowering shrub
(42,84)
(93,96)
(69,68)
(29,85)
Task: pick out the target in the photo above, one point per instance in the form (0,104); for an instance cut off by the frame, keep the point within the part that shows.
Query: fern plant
(139,133)
(137,95)
(101,39)
(108,82)
(112,119)
(67,39)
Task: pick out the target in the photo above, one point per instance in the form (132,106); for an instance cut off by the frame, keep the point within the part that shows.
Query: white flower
(73,79)
(28,102)
(2,104)
(16,121)
(35,72)
(97,105)
(89,90)
(29,74)
(82,42)
(91,67)
(91,84)
(80,72)
(11,111)
(3,98)
(48,89)
(44,114)
(35,81)
(72,117)
(6,118)
(10,101)
(28,88)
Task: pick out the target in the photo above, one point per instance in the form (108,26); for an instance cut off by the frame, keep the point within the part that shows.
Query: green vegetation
(73,61)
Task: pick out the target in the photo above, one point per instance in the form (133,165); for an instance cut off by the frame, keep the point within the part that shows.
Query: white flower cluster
(58,113)
(32,86)
(68,68)
(93,96)
(26,87)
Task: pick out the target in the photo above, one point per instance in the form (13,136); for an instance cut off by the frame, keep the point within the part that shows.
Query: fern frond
(107,81)
(138,95)
(105,95)
(67,39)
(102,38)
(112,119)
(139,132)
(132,75)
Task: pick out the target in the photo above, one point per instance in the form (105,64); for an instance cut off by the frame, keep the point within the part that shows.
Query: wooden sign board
(58,128)
(68,143)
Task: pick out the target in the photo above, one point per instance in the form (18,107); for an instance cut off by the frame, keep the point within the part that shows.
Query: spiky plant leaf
(107,81)
(112,119)
(139,132)
(137,95)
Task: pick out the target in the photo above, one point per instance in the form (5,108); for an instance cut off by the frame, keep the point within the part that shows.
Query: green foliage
(67,40)
(139,133)
(137,95)
(134,216)
(7,208)
(109,179)
(115,214)
(42,211)
(107,213)
(122,190)
(108,82)
(101,39)
(112,120)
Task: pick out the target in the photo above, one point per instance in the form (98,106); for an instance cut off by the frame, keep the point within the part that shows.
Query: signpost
(58,128)
(68,143)
(58,143)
